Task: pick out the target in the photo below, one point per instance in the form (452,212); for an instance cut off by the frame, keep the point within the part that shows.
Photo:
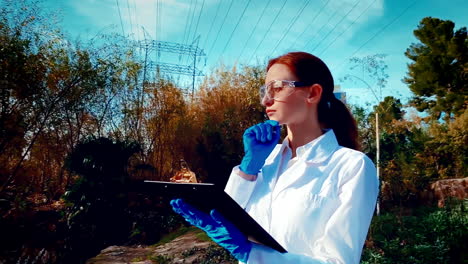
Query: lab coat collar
(319,149)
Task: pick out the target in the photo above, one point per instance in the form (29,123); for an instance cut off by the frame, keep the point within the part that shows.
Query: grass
(199,234)
(181,231)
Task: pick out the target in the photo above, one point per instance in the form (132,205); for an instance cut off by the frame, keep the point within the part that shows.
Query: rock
(182,244)
(122,255)
(183,249)
(443,189)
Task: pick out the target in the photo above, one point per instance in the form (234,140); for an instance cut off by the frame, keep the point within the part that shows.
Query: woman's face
(289,107)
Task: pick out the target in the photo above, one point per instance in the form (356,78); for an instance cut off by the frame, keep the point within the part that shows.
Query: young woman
(315,193)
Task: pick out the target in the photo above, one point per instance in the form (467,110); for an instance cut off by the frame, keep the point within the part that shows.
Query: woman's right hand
(259,141)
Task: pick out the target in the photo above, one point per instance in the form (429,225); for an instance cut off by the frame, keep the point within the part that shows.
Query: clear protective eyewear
(277,89)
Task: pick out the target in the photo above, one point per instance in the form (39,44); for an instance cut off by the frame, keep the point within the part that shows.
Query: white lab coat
(319,208)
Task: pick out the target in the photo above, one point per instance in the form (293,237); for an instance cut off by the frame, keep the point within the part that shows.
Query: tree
(438,75)
(447,149)
(52,95)
(227,103)
(167,128)
(370,70)
(372,67)
(365,130)
(389,109)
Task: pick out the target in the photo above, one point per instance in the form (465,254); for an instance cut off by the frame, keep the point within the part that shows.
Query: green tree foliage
(438,75)
(365,130)
(390,112)
(417,151)
(402,144)
(413,153)
(389,109)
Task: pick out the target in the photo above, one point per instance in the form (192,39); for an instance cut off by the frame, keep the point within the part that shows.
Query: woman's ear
(315,93)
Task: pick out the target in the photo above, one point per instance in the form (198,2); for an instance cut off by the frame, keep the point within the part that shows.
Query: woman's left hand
(217,227)
(259,141)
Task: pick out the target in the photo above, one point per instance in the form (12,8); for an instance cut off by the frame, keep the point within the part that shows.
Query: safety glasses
(279,89)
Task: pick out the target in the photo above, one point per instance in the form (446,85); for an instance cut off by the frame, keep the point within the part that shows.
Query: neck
(299,135)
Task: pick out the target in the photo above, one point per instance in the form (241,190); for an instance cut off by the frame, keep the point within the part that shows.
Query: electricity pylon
(163,46)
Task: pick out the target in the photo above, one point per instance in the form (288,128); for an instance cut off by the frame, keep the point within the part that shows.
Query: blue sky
(334,30)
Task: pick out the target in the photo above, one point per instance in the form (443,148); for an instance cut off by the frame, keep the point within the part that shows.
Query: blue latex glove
(259,141)
(219,229)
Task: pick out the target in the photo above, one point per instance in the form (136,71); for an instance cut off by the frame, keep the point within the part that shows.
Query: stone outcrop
(187,249)
(454,188)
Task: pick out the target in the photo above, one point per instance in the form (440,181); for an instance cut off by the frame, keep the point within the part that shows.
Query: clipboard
(208,196)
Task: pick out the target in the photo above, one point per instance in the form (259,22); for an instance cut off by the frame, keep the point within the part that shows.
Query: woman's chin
(275,119)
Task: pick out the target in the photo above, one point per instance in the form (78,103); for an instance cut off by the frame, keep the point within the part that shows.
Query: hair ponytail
(332,113)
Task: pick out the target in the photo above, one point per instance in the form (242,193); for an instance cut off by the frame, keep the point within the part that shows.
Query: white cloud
(135,14)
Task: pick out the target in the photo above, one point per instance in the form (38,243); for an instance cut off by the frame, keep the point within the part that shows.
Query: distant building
(339,94)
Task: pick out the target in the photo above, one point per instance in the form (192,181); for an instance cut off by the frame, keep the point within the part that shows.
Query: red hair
(332,113)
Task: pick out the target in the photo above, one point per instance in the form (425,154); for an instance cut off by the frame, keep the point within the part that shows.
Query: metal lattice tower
(163,46)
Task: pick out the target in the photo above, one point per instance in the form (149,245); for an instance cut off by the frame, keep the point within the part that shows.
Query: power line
(318,31)
(160,14)
(253,30)
(346,30)
(156,27)
(130,19)
(186,41)
(191,21)
(312,21)
(290,25)
(336,25)
(224,20)
(187,21)
(238,21)
(198,20)
(160,10)
(378,32)
(120,17)
(156,19)
(269,28)
(212,24)
(136,18)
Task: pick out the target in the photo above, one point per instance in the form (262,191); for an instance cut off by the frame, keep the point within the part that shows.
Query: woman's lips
(269,112)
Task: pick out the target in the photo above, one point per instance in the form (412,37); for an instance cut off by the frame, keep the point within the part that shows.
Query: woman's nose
(266,101)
